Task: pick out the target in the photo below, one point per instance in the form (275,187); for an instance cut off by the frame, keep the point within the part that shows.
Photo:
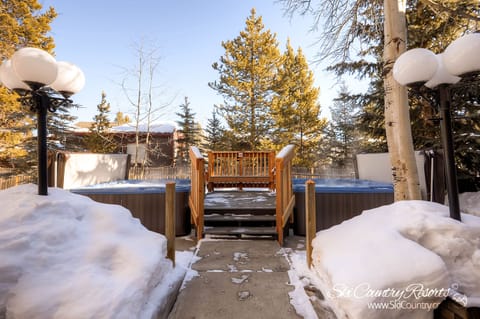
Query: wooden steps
(240,213)
(241,169)
(239,231)
(211,218)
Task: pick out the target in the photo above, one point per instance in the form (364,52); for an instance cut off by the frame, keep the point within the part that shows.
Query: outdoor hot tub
(338,200)
(146,201)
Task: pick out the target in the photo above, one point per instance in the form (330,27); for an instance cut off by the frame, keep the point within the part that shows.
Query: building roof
(159,127)
(81,126)
(154,128)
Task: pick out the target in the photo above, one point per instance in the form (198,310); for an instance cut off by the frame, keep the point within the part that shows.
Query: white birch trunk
(397,117)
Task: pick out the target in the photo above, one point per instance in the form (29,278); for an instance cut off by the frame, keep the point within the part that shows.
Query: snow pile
(470,203)
(398,261)
(66,256)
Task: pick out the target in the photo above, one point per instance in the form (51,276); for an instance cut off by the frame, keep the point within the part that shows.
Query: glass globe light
(9,78)
(70,79)
(463,55)
(35,67)
(441,76)
(415,66)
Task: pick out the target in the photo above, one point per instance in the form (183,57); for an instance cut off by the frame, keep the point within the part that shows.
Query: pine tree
(343,133)
(214,133)
(99,141)
(295,109)
(59,127)
(23,23)
(247,77)
(121,119)
(188,132)
(432,25)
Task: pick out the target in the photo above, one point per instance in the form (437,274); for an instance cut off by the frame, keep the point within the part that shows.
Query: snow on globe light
(463,55)
(10,79)
(415,66)
(70,79)
(35,67)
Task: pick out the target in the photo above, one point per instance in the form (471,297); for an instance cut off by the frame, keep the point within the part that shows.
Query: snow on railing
(285,197)
(197,191)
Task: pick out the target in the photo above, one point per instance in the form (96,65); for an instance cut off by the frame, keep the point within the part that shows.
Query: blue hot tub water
(183,185)
(341,185)
(134,186)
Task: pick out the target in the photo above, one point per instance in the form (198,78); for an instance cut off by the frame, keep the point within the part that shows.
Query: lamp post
(43,85)
(439,72)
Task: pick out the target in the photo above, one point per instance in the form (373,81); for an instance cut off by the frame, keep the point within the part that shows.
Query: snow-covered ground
(66,256)
(470,203)
(398,261)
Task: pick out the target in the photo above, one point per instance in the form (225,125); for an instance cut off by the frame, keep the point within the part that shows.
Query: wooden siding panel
(150,209)
(334,208)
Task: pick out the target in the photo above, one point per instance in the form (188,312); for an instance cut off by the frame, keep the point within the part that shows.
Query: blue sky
(100,36)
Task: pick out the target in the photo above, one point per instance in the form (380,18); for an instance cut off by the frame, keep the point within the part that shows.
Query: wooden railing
(11,181)
(241,169)
(197,191)
(285,197)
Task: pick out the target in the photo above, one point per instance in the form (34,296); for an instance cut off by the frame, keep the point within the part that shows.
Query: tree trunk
(397,116)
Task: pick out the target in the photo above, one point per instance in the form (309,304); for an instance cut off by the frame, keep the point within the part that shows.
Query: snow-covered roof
(81,127)
(158,127)
(154,128)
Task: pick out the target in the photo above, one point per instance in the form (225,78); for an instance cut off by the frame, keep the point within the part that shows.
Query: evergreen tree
(431,25)
(342,132)
(214,133)
(295,109)
(247,78)
(121,119)
(23,23)
(59,126)
(99,141)
(188,132)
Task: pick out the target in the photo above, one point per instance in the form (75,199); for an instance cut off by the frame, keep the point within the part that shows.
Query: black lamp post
(43,85)
(439,72)
(446,134)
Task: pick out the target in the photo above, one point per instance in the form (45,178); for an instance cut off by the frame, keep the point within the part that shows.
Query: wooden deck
(233,169)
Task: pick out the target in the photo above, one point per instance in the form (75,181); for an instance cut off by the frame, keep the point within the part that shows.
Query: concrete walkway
(237,279)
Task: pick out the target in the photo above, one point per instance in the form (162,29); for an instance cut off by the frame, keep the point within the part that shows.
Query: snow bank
(66,256)
(398,261)
(470,203)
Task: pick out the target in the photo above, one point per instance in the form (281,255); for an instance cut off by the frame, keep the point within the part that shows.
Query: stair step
(257,231)
(239,218)
(240,211)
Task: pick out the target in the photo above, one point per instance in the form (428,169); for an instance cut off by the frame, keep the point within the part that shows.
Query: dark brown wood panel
(150,209)
(334,208)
